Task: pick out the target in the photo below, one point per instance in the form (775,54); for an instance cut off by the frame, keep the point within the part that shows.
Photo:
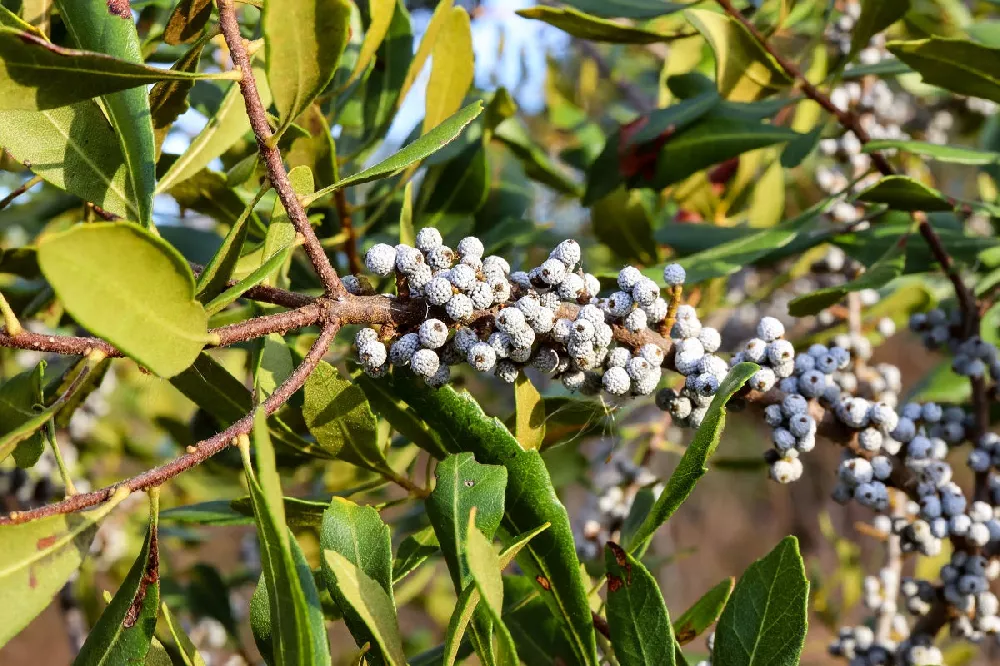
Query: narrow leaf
(958,65)
(380,13)
(452,69)
(692,465)
(905,193)
(186,21)
(584,26)
(266,270)
(441,15)
(703,613)
(169,99)
(414,551)
(935,151)
(529,424)
(123,633)
(426,145)
(212,281)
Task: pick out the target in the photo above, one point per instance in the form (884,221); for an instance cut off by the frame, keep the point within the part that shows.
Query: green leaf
(304,40)
(210,386)
(261,274)
(339,417)
(584,26)
(728,257)
(904,193)
(765,621)
(934,151)
(881,273)
(169,99)
(180,641)
(414,551)
(426,145)
(38,557)
(402,418)
(272,363)
(452,68)
(104,29)
(358,535)
(623,221)
(692,465)
(631,9)
(703,613)
(75,149)
(712,140)
(484,569)
(123,633)
(212,281)
(229,124)
(297,622)
(9,19)
(129,287)
(372,604)
(186,21)
(38,75)
(530,502)
(958,65)
(458,187)
(537,164)
(381,13)
(744,70)
(539,640)
(18,397)
(529,424)
(209,193)
(464,484)
(876,16)
(641,633)
(386,78)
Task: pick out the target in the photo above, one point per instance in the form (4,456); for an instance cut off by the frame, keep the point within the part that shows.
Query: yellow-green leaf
(744,71)
(585,26)
(529,421)
(452,68)
(131,288)
(381,12)
(304,40)
(442,14)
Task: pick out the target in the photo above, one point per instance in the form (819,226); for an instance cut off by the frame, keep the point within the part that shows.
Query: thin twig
(271,156)
(27,185)
(200,452)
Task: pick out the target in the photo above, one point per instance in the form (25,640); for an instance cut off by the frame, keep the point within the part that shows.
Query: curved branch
(271,156)
(201,451)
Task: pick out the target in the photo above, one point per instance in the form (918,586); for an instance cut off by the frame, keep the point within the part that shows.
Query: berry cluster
(695,358)
(973,356)
(500,321)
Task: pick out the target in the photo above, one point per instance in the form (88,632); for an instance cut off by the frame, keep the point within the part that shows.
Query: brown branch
(202,451)
(27,185)
(265,293)
(347,226)
(271,156)
(73,345)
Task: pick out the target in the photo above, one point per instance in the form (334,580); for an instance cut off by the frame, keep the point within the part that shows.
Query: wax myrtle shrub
(272,336)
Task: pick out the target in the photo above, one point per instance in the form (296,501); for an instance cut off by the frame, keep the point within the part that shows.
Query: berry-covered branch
(270,155)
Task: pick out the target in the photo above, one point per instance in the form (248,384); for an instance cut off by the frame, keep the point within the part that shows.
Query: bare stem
(271,156)
(201,451)
(7,200)
(347,227)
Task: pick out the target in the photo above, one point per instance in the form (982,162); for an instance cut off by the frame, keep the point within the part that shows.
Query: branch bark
(271,156)
(202,451)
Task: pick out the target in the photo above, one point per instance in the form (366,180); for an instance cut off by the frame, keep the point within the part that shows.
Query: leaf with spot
(129,287)
(304,40)
(641,633)
(692,465)
(37,558)
(766,618)
(123,633)
(703,613)
(357,567)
